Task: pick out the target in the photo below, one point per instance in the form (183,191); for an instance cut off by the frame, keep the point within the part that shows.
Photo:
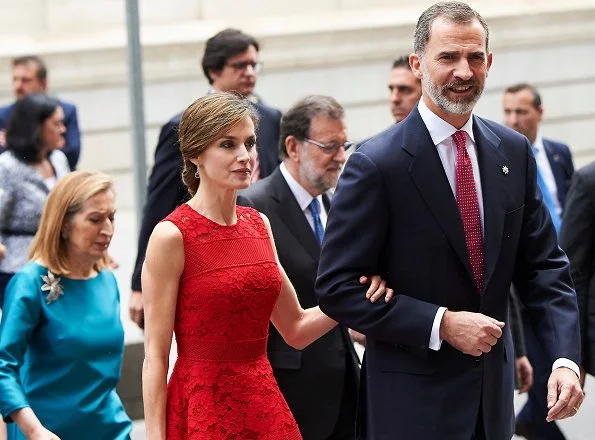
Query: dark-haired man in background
(404,88)
(29,75)
(230,63)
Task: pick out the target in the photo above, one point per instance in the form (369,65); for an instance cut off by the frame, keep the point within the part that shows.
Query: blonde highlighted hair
(64,201)
(206,120)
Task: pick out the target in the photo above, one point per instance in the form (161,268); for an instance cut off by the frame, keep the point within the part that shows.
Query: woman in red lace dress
(211,275)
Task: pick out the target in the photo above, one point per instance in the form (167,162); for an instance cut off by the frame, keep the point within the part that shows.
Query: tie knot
(460,138)
(314,207)
(534,149)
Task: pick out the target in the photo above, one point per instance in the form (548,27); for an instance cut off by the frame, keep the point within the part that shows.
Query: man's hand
(471,333)
(135,308)
(564,394)
(524,374)
(2,251)
(2,138)
(358,337)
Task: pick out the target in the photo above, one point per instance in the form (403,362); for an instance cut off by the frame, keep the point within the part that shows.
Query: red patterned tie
(469,208)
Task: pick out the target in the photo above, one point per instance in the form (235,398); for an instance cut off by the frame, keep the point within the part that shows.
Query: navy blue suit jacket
(394,214)
(166,190)
(560,160)
(72,149)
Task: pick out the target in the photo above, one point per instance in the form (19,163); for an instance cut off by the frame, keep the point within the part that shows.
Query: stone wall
(338,47)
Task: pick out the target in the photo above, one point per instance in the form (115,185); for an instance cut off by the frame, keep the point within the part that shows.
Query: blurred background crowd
(276,52)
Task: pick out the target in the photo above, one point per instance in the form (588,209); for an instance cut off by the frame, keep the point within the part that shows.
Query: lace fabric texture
(222,385)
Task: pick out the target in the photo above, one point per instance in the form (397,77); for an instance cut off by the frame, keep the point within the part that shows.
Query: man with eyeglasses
(230,64)
(320,382)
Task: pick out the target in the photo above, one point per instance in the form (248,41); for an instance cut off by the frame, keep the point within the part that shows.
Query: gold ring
(575,409)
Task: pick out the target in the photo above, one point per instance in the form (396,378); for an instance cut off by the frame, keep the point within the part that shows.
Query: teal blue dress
(68,353)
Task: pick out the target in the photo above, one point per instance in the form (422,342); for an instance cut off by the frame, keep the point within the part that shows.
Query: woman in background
(29,169)
(61,338)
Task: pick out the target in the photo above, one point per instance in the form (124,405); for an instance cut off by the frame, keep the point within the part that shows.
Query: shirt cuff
(563,362)
(435,341)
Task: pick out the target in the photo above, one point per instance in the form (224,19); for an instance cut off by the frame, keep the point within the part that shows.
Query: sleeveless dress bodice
(222,385)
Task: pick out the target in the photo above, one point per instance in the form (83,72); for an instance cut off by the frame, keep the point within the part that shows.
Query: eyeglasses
(331,147)
(243,65)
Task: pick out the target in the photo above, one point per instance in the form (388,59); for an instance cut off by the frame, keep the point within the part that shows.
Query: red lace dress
(222,385)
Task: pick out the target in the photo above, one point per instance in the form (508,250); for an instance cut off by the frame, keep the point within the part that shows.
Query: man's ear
(293,147)
(213,75)
(415,64)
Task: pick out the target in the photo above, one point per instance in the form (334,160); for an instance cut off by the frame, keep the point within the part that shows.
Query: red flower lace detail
(222,386)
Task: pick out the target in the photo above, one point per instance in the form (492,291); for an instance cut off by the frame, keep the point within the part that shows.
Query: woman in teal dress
(61,338)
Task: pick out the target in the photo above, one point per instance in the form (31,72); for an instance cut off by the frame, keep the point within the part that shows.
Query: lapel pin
(505,170)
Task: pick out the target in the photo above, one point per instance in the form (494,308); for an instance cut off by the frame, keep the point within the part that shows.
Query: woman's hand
(377,288)
(2,251)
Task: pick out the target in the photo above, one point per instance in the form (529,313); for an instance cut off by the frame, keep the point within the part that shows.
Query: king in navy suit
(445,205)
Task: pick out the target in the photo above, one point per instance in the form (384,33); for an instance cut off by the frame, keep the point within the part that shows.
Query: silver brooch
(505,170)
(52,285)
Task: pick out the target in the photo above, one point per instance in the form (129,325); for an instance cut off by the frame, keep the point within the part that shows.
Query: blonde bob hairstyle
(204,122)
(64,201)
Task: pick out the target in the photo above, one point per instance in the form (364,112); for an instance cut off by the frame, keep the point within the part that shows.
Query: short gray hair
(297,120)
(456,12)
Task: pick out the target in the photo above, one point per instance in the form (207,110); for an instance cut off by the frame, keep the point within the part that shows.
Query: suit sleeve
(72,149)
(542,277)
(21,315)
(354,245)
(576,237)
(164,193)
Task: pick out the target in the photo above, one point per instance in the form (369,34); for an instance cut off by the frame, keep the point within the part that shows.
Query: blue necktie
(548,199)
(315,210)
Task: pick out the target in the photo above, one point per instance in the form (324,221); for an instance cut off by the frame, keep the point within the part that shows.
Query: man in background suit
(577,238)
(404,88)
(523,112)
(320,382)
(29,75)
(230,63)
(445,206)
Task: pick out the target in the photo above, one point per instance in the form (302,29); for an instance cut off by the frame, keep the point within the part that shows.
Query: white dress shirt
(545,168)
(441,133)
(304,198)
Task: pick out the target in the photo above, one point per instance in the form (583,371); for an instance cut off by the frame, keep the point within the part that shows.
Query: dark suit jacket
(577,237)
(166,190)
(312,380)
(72,149)
(560,160)
(394,213)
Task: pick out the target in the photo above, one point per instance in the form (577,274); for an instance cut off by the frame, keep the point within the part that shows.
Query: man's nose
(463,70)
(249,70)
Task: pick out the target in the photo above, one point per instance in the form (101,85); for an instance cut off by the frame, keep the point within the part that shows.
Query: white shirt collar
(302,196)
(439,129)
(538,144)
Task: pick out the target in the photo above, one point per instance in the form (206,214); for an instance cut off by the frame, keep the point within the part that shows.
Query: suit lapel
(558,169)
(291,214)
(430,179)
(494,189)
